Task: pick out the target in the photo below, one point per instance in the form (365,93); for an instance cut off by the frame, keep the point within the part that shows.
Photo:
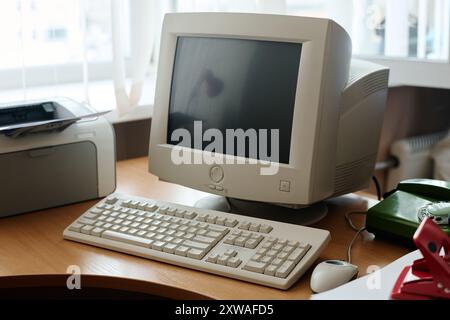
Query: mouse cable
(358,232)
(350,222)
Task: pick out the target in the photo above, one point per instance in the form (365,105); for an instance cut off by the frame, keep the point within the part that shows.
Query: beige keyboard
(261,251)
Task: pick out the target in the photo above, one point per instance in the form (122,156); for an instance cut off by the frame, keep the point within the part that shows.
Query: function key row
(130,206)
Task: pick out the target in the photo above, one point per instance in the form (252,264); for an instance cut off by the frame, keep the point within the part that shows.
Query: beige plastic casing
(322,77)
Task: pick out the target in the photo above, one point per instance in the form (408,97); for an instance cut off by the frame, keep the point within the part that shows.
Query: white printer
(52,153)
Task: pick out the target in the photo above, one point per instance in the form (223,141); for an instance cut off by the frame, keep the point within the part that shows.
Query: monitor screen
(228,84)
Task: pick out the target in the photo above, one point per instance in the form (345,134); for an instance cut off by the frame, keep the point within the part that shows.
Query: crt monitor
(268,108)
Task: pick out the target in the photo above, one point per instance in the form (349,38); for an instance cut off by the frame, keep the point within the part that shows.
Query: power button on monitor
(285,186)
(216,174)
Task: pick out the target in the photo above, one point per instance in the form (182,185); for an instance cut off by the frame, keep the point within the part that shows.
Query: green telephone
(401,212)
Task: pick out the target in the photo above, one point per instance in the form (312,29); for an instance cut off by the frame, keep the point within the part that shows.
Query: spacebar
(112,235)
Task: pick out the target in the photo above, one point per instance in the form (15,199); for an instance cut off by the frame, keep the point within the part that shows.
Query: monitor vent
(352,175)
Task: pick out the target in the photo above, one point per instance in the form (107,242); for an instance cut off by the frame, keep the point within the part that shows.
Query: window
(389,28)
(46,41)
(54,42)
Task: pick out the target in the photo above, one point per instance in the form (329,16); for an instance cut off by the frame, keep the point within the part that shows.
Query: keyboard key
(240,241)
(171,211)
(265,228)
(270,270)
(158,245)
(288,249)
(278,247)
(231,223)
(262,251)
(168,239)
(257,237)
(124,229)
(75,227)
(203,239)
(177,241)
(297,254)
(138,241)
(97,232)
(266,259)
(189,215)
(222,260)
(255,266)
(218,228)
(234,262)
(212,257)
(87,229)
(244,225)
(220,221)
(214,234)
(230,239)
(256,257)
(86,221)
(285,269)
(246,234)
(282,255)
(277,262)
(304,245)
(236,233)
(133,204)
(141,233)
(230,252)
(181,251)
(150,235)
(179,234)
(159,237)
(211,219)
(251,243)
(195,254)
(133,231)
(126,203)
(151,207)
(189,236)
(196,245)
(254,227)
(169,248)
(90,215)
(170,232)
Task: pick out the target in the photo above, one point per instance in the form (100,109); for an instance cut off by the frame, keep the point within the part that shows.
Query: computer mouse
(330,274)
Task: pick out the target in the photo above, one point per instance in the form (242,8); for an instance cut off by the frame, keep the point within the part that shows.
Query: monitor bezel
(308,99)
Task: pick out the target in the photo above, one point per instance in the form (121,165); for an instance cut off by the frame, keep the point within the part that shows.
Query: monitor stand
(303,216)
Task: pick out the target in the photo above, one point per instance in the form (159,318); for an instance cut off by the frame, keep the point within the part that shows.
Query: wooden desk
(32,245)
